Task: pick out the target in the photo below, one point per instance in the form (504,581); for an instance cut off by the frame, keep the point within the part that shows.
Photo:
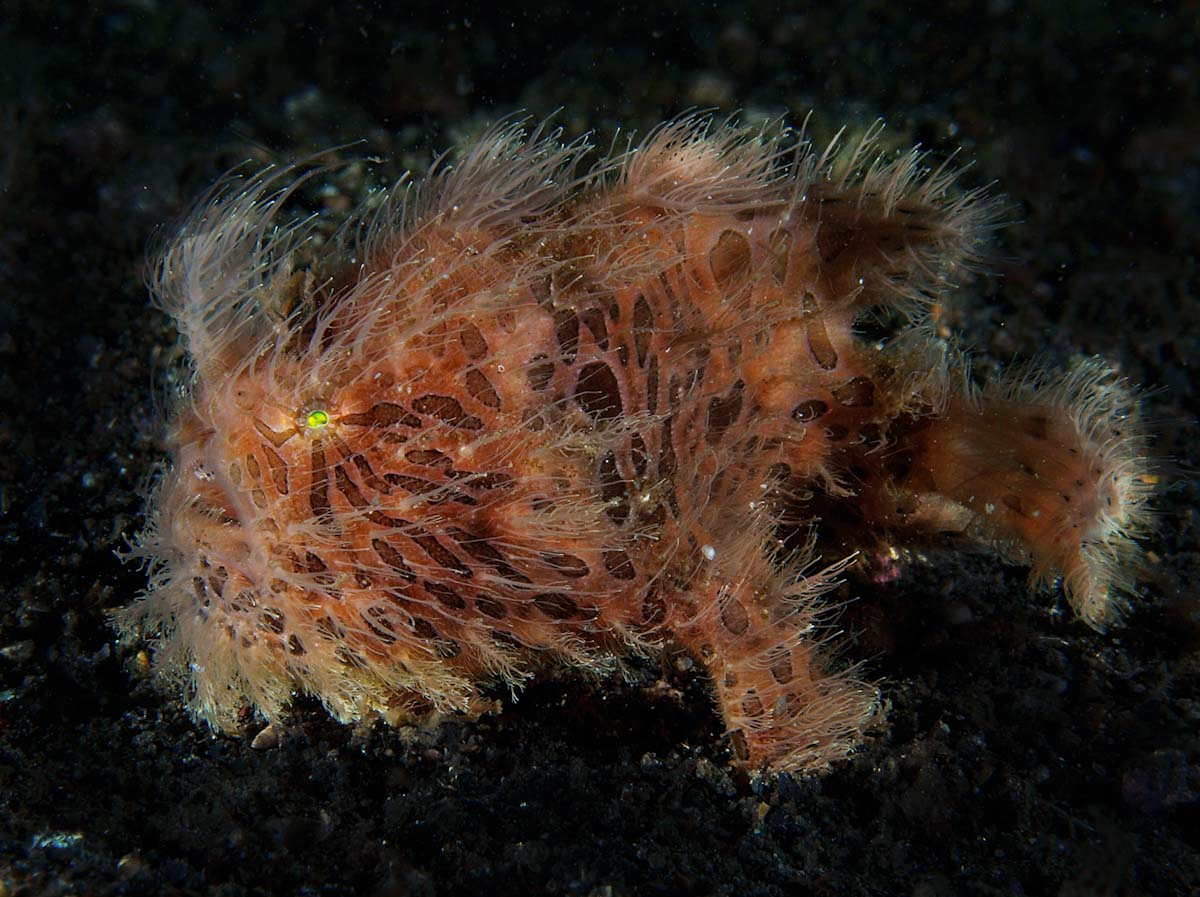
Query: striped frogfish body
(534,416)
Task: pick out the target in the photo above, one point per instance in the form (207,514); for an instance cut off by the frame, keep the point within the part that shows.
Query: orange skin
(504,437)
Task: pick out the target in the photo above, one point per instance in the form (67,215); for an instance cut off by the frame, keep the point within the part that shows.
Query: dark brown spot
(567,564)
(447,648)
(654,611)
(350,658)
(477,547)
(330,628)
(593,320)
(639,454)
(856,393)
(809,409)
(566,331)
(411,485)
(295,646)
(723,411)
(439,553)
(481,550)
(643,328)
(472,340)
(695,376)
(429,458)
(612,490)
(381,616)
(318,490)
(752,706)
(445,595)
(652,518)
(346,486)
(424,629)
(367,474)
(448,410)
(272,619)
(539,372)
(780,242)
(652,385)
(820,345)
(379,624)
(598,392)
(781,670)
(506,640)
(729,259)
(393,558)
(556,605)
(382,414)
(673,503)
(618,565)
(493,480)
(479,386)
(490,608)
(734,617)
(836,433)
(666,455)
(278,467)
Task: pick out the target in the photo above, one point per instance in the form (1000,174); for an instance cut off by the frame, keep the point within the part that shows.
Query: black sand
(1023,753)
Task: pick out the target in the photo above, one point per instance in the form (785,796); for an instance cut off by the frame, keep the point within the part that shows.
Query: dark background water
(1023,754)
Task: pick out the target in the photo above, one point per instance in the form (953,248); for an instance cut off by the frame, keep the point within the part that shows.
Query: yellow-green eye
(317,420)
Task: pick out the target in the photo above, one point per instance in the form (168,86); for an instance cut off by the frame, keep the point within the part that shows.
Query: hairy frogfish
(539,410)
